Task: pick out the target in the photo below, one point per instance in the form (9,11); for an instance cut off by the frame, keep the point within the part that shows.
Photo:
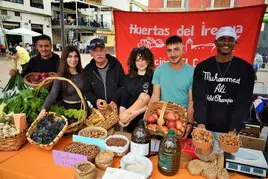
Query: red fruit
(179,125)
(177,117)
(170,116)
(151,119)
(158,112)
(36,78)
(164,129)
(171,124)
(44,74)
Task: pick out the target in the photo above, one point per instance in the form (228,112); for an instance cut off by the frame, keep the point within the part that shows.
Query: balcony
(15,1)
(37,5)
(82,24)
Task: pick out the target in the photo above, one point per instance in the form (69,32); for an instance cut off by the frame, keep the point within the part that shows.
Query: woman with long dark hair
(137,82)
(70,67)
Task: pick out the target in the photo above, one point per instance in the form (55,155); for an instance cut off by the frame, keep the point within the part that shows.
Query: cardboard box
(252,142)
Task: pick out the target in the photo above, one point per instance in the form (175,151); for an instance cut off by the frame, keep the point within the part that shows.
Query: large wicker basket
(76,126)
(55,140)
(166,106)
(30,76)
(14,142)
(107,118)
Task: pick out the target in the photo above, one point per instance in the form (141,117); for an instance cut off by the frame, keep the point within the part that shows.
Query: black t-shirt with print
(222,93)
(131,90)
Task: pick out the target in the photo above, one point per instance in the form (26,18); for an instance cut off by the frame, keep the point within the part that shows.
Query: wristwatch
(190,123)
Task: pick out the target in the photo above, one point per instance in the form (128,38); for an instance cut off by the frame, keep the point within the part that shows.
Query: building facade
(34,15)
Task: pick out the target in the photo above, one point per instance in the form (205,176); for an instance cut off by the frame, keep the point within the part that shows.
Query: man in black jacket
(104,76)
(223,87)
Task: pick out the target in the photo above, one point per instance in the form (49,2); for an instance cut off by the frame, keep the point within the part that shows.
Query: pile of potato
(7,130)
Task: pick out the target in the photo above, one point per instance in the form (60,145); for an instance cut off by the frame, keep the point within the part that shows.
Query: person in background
(46,60)
(22,55)
(104,76)
(223,87)
(70,67)
(137,81)
(172,81)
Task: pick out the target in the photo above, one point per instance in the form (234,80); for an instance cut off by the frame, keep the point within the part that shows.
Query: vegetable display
(47,129)
(28,101)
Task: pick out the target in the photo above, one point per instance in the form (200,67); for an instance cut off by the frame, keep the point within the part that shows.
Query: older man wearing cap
(104,76)
(222,87)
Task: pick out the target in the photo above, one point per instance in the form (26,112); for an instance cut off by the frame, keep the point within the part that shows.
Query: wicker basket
(14,142)
(107,118)
(76,126)
(51,144)
(166,106)
(30,76)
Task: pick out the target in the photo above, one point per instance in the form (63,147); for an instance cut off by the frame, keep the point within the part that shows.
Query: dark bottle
(169,154)
(140,140)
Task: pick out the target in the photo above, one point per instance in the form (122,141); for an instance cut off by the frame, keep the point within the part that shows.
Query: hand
(187,131)
(122,124)
(13,72)
(201,126)
(113,104)
(42,113)
(100,104)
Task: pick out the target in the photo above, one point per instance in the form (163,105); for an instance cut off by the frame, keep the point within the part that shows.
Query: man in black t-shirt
(46,60)
(223,87)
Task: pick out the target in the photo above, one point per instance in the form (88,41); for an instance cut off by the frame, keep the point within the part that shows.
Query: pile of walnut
(202,136)
(230,140)
(210,170)
(7,130)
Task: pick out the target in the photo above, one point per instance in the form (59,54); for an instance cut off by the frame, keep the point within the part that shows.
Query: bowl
(229,143)
(137,164)
(202,138)
(205,158)
(117,150)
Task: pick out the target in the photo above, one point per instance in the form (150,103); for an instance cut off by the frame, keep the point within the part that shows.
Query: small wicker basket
(76,126)
(30,76)
(166,106)
(86,132)
(106,118)
(14,142)
(55,140)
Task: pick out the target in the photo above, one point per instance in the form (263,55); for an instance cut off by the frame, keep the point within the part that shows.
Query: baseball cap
(96,43)
(226,31)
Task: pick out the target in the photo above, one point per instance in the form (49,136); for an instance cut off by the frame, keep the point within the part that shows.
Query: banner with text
(197,29)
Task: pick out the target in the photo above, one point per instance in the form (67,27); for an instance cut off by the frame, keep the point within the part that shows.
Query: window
(4,12)
(37,4)
(222,3)
(17,14)
(174,3)
(15,1)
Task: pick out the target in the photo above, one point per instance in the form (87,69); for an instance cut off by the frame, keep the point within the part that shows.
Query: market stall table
(4,155)
(35,163)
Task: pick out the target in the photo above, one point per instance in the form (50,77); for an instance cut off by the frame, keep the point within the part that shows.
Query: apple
(179,125)
(152,127)
(158,112)
(177,117)
(170,116)
(151,119)
(164,129)
(171,124)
